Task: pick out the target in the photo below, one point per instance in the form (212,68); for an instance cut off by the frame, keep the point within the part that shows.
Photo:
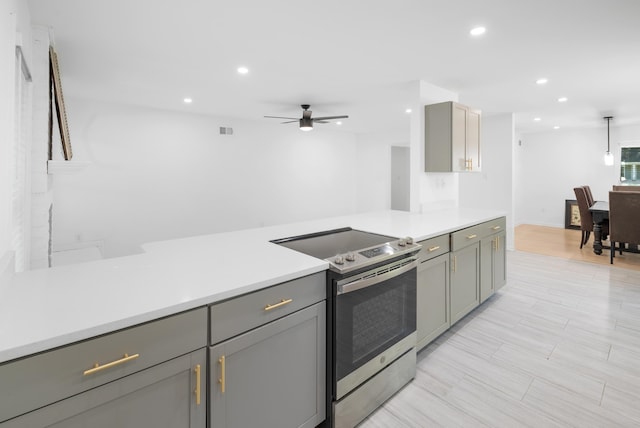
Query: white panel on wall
(158,175)
(7,132)
(492,188)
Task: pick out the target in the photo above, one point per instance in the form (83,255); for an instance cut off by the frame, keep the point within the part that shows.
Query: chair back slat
(624,216)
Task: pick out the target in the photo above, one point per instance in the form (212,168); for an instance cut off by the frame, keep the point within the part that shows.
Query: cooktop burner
(349,249)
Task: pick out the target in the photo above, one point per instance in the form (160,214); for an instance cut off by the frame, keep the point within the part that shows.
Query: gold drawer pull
(97,367)
(222,380)
(472,236)
(496,228)
(437,247)
(277,305)
(198,389)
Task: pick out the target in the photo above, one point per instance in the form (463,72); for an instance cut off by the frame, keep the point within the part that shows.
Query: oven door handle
(369,281)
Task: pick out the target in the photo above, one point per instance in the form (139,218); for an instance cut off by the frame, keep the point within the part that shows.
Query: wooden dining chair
(620,188)
(590,199)
(624,223)
(586,219)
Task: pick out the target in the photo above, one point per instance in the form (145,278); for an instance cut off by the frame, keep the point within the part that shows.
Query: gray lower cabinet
(272,376)
(465,281)
(144,375)
(433,314)
(168,395)
(493,264)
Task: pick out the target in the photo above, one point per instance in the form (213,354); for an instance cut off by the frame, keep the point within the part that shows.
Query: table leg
(597,238)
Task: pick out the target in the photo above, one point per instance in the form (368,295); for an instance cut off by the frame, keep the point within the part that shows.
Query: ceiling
(357,57)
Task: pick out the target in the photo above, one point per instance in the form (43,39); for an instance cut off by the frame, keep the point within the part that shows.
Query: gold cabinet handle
(437,247)
(197,390)
(494,244)
(97,367)
(496,228)
(472,236)
(277,305)
(497,243)
(222,380)
(455,259)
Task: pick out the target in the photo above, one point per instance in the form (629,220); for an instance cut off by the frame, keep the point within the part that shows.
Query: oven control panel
(367,256)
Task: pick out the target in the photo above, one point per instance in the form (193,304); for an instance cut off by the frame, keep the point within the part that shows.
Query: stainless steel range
(371,334)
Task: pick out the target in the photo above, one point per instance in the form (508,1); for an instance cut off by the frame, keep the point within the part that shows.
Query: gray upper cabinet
(452,138)
(95,382)
(433,314)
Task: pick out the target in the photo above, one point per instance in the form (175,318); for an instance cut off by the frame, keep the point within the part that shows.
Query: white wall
(159,175)
(493,187)
(549,165)
(373,162)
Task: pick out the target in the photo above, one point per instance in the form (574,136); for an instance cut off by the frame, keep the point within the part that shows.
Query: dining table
(600,213)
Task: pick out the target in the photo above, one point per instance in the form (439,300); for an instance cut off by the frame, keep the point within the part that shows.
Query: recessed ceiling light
(556,127)
(187,100)
(243,70)
(477,31)
(408,110)
(562,99)
(541,81)
(537,119)
(338,123)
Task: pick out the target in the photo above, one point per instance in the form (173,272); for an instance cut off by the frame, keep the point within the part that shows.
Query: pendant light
(608,156)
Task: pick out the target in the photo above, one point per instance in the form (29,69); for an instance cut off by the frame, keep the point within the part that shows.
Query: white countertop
(47,308)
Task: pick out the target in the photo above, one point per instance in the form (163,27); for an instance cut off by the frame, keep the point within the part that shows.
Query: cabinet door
(473,140)
(465,279)
(164,395)
(500,261)
(459,115)
(433,299)
(272,376)
(487,256)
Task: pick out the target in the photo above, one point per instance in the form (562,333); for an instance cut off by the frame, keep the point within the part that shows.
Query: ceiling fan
(306,121)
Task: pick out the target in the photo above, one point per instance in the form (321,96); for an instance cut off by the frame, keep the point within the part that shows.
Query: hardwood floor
(565,243)
(558,346)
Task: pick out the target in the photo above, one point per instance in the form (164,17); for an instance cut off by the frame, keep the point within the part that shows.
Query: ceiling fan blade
(291,121)
(330,117)
(306,114)
(319,121)
(280,117)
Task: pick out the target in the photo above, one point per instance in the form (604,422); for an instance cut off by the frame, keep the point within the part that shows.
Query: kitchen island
(47,309)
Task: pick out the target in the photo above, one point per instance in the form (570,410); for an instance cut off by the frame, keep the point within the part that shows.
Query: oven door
(375,321)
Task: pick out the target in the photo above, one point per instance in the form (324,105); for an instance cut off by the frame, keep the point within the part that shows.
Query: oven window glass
(372,319)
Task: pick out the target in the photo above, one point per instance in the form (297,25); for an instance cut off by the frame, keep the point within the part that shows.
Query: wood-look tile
(558,346)
(554,371)
(475,398)
(622,402)
(570,409)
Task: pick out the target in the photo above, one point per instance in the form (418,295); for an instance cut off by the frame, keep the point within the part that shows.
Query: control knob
(402,243)
(409,240)
(351,257)
(339,260)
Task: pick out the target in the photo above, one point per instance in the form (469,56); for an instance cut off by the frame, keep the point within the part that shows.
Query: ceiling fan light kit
(306,121)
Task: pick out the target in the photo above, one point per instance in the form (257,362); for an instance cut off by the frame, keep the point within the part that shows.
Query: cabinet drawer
(433,247)
(35,381)
(495,226)
(473,234)
(241,314)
